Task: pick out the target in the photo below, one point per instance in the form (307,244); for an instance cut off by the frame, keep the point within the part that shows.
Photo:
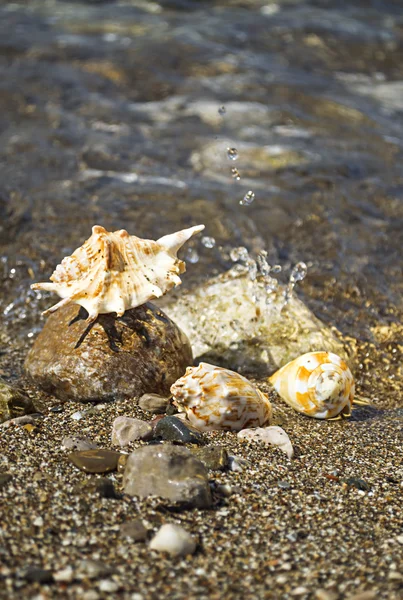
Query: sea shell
(217,398)
(115,271)
(317,384)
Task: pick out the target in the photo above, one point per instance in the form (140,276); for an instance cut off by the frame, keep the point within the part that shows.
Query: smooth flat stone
(270,436)
(127,429)
(168,471)
(135,530)
(95,461)
(78,443)
(153,403)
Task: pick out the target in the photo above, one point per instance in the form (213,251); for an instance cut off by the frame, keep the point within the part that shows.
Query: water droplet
(239,253)
(222,110)
(192,255)
(247,199)
(208,242)
(232,153)
(298,272)
(235,173)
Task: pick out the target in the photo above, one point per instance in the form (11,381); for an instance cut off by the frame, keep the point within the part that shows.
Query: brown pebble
(122,462)
(95,461)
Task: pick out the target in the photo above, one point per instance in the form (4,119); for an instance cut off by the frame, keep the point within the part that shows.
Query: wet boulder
(113,358)
(233,323)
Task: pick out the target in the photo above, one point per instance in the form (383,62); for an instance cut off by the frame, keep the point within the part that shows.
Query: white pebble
(77,415)
(64,575)
(237,463)
(274,436)
(173,539)
(107,585)
(38,522)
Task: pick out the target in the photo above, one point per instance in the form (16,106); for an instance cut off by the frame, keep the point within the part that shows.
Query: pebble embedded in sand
(126,430)
(174,540)
(170,472)
(273,436)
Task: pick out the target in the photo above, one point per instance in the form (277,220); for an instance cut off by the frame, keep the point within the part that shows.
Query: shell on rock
(317,384)
(115,271)
(217,398)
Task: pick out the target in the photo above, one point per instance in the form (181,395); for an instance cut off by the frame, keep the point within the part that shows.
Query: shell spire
(115,271)
(316,384)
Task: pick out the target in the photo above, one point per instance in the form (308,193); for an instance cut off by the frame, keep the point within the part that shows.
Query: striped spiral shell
(115,271)
(217,398)
(317,384)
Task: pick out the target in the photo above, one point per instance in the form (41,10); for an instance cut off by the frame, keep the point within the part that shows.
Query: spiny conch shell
(317,384)
(115,271)
(216,398)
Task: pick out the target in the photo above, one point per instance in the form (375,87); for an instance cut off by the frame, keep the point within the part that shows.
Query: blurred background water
(277,124)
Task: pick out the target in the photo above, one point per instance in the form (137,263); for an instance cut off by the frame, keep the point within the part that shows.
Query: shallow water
(121,114)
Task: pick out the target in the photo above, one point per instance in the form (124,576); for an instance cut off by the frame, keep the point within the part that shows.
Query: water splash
(247,199)
(192,255)
(208,242)
(235,174)
(298,273)
(232,153)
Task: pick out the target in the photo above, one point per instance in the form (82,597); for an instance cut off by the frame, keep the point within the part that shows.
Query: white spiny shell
(217,398)
(317,384)
(115,271)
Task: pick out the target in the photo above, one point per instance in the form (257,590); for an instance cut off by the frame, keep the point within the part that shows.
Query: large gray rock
(13,403)
(229,328)
(170,472)
(143,351)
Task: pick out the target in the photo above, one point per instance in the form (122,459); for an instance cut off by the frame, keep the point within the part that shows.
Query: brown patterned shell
(217,398)
(115,271)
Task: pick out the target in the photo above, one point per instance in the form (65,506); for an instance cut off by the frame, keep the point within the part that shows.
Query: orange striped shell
(317,384)
(217,398)
(115,271)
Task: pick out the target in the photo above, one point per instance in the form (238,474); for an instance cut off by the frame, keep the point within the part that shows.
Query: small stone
(358,483)
(299,591)
(395,576)
(13,403)
(77,416)
(64,575)
(168,471)
(270,436)
(30,428)
(106,489)
(38,522)
(135,530)
(107,585)
(400,539)
(25,420)
(285,485)
(369,595)
(93,569)
(90,595)
(126,430)
(95,461)
(228,490)
(174,540)
(78,443)
(122,462)
(238,464)
(4,479)
(153,403)
(325,595)
(213,457)
(173,429)
(38,575)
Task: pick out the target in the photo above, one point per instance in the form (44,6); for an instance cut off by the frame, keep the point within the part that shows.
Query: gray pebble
(153,403)
(75,442)
(126,430)
(171,472)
